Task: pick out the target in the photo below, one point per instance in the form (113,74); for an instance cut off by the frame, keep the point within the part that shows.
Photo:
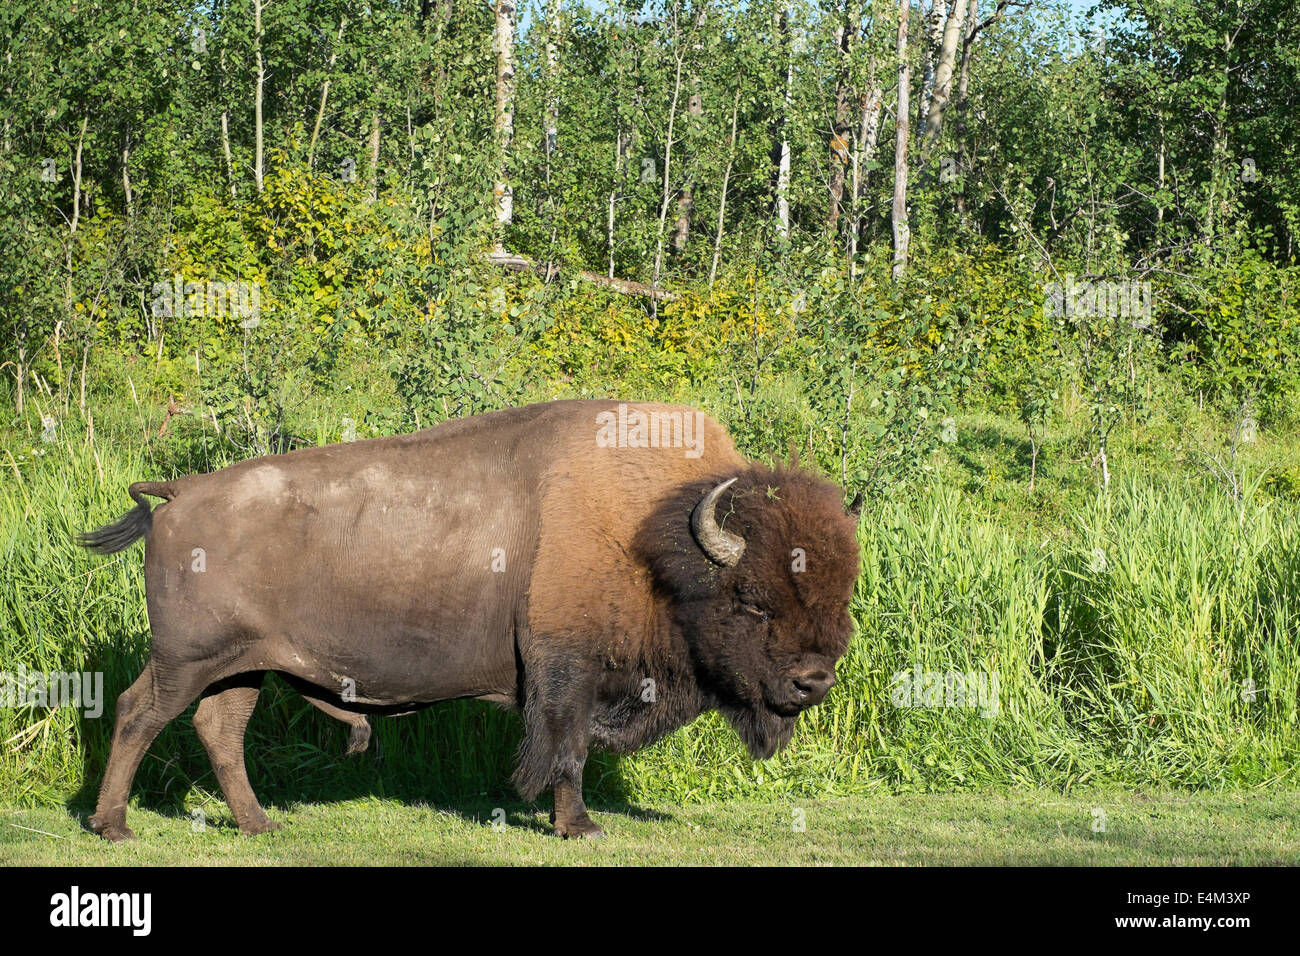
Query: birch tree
(695,119)
(259,93)
(679,57)
(953,34)
(901,229)
(782,146)
(325,93)
(934,20)
(503,46)
(840,153)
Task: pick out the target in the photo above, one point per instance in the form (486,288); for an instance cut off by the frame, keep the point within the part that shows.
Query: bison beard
(611,593)
(762,732)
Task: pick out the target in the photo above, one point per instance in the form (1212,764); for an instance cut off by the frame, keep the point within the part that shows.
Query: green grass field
(1030,829)
(1144,641)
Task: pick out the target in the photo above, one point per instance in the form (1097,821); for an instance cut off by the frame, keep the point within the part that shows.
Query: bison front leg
(557,713)
(570,813)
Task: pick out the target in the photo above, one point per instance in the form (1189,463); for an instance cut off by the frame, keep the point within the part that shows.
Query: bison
(610,569)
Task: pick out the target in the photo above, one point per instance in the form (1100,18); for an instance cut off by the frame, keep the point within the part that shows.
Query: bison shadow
(454,757)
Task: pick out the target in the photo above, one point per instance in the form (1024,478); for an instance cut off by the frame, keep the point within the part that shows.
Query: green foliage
(1284,482)
(1247,333)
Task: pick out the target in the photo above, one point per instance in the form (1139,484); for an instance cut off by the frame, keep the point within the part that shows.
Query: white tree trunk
(841,157)
(666,197)
(783,163)
(933,31)
(868,133)
(695,109)
(554,9)
(225,128)
(76,176)
(902,231)
(126,171)
(324,95)
(613,197)
(503,45)
(726,179)
(257,99)
(225,148)
(952,36)
(620,138)
(374,155)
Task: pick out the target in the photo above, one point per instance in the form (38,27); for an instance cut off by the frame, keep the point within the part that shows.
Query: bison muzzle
(612,570)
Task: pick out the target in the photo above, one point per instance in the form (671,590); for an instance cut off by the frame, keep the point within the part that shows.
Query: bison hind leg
(533,767)
(358,738)
(553,747)
(220,721)
(158,695)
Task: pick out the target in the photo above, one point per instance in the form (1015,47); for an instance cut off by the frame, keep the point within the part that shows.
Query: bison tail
(135,524)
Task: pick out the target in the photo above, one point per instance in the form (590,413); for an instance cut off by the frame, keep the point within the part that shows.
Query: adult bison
(613,570)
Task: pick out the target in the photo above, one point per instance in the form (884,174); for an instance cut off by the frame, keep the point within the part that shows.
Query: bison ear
(793,454)
(855,506)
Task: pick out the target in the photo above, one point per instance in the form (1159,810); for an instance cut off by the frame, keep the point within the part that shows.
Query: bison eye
(757,611)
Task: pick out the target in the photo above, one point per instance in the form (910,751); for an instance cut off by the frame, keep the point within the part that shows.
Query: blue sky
(527,8)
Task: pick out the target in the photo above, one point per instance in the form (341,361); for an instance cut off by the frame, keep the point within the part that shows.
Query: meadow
(1025,829)
(1143,639)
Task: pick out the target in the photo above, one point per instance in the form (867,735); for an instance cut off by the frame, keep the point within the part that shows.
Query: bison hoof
(111,831)
(580,830)
(264,825)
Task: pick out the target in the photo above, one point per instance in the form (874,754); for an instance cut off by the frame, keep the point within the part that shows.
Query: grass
(1152,640)
(1211,829)
(1145,641)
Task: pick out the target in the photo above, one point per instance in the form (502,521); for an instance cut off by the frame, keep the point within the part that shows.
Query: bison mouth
(786,709)
(763,731)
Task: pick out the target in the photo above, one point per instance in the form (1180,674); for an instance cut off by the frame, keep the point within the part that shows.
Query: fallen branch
(551,270)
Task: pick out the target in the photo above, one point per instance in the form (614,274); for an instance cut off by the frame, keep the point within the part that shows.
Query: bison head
(757,570)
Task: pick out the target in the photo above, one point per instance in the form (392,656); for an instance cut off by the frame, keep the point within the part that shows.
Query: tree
(902,231)
(259,94)
(840,153)
(503,127)
(953,32)
(781,147)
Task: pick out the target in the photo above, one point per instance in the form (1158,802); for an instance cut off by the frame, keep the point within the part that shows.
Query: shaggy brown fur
(511,557)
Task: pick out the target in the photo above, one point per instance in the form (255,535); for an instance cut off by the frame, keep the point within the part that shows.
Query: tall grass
(1159,647)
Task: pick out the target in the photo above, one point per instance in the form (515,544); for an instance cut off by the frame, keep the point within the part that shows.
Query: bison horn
(722,547)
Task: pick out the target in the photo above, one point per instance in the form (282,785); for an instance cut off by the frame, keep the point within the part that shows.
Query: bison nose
(811,686)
